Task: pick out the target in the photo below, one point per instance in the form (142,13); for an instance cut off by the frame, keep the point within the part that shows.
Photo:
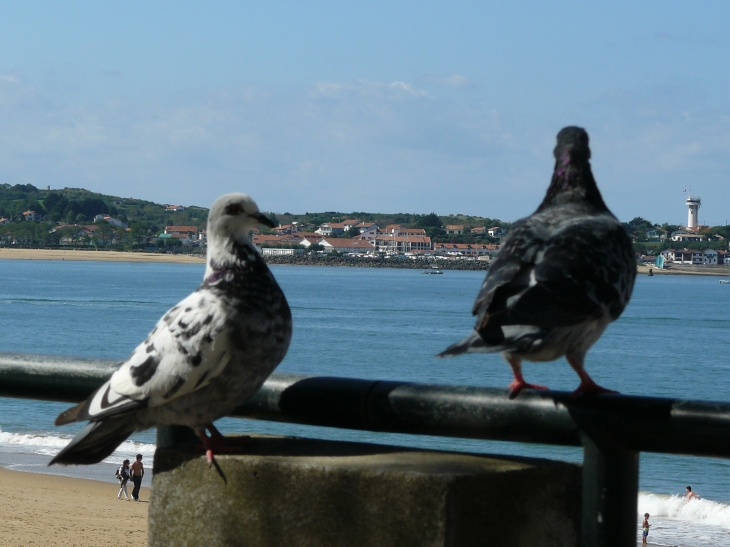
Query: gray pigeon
(205,356)
(561,276)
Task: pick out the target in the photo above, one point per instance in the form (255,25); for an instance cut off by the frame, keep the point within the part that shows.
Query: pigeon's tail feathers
(96,441)
(509,338)
(471,344)
(105,402)
(70,415)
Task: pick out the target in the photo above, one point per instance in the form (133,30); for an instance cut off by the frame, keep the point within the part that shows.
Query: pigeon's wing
(184,352)
(584,271)
(509,272)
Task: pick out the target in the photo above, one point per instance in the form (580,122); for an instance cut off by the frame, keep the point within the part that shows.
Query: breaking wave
(50,445)
(677,507)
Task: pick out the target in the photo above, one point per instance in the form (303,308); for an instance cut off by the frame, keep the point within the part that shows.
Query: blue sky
(371,106)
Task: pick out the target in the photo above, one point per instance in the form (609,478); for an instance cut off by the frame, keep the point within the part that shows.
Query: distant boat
(725,281)
(433,271)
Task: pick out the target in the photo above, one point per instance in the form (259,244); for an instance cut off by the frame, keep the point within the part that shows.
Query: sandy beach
(721,271)
(116,256)
(109,256)
(49,510)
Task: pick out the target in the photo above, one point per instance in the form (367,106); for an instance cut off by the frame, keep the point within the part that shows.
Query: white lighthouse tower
(693,204)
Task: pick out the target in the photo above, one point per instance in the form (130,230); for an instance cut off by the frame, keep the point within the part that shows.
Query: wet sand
(50,510)
(109,256)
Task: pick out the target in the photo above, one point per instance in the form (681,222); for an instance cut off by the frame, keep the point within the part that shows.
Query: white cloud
(363,145)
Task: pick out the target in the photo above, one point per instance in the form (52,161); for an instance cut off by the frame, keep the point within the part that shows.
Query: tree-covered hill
(78,206)
(146,219)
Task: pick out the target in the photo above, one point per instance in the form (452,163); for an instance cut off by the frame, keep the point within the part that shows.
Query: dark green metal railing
(613,429)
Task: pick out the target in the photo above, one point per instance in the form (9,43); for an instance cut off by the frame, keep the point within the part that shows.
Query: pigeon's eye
(234,209)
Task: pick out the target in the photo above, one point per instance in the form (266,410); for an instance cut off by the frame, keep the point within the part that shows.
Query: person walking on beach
(123,477)
(645,529)
(689,494)
(137,474)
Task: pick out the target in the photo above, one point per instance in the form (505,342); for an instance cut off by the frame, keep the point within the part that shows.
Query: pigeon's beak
(263,219)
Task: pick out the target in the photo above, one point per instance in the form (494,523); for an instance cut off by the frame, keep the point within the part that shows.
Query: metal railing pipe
(644,424)
(52,377)
(549,417)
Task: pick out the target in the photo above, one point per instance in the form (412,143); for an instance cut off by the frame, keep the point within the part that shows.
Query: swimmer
(689,494)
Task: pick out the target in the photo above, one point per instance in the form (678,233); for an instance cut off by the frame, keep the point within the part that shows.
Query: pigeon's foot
(219,443)
(518,385)
(590,388)
(587,385)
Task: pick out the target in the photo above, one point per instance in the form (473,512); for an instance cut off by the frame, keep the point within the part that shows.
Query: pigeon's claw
(207,444)
(590,388)
(518,385)
(587,385)
(220,443)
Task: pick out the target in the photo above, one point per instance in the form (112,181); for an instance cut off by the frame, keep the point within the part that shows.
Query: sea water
(672,341)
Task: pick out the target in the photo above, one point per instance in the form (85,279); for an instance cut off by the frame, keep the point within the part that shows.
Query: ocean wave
(678,507)
(50,445)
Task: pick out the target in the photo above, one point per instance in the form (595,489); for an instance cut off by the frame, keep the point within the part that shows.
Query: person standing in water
(645,529)
(689,494)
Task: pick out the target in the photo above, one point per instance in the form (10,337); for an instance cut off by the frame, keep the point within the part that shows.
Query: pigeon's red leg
(587,385)
(207,445)
(227,444)
(518,384)
(221,444)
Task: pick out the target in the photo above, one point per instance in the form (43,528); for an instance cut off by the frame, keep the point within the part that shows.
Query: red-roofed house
(389,243)
(189,231)
(260,239)
(454,229)
(346,245)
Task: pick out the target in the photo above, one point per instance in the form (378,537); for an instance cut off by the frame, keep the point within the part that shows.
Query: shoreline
(140,257)
(58,510)
(718,271)
(101,256)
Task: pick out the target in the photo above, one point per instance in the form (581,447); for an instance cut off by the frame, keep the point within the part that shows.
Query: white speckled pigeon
(204,357)
(561,276)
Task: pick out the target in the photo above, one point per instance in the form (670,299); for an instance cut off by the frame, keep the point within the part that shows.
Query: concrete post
(301,492)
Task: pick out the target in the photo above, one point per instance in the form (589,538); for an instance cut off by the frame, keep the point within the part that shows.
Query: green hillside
(79,206)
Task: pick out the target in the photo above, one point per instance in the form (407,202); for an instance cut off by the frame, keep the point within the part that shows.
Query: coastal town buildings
(465,249)
(710,257)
